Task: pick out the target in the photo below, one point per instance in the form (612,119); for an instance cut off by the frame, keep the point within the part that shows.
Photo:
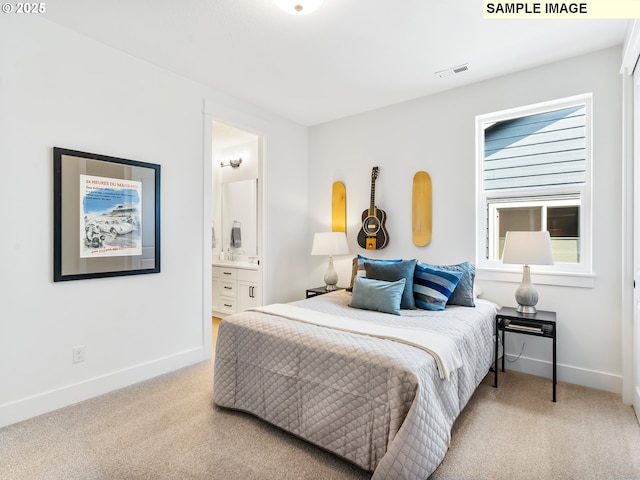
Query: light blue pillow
(391,272)
(463,293)
(432,287)
(377,295)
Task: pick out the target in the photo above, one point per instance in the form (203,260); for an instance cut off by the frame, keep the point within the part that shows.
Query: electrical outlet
(78,354)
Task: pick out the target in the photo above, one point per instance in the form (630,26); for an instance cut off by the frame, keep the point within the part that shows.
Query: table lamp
(527,248)
(330,243)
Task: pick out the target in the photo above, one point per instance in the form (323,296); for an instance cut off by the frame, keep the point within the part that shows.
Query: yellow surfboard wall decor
(339,207)
(421,209)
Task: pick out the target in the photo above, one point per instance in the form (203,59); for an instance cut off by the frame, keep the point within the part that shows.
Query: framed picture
(106,216)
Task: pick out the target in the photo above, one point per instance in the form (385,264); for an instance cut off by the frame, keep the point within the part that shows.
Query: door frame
(631,220)
(634,371)
(207,212)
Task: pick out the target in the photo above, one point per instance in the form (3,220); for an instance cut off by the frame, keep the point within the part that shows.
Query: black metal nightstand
(540,324)
(314,292)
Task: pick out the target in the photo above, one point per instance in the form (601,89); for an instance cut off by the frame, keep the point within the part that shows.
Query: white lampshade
(527,248)
(299,7)
(330,243)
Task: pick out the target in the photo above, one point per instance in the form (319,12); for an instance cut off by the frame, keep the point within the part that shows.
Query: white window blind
(538,150)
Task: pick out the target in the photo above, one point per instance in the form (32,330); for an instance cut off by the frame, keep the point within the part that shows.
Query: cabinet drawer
(215,272)
(228,289)
(227,305)
(248,275)
(228,273)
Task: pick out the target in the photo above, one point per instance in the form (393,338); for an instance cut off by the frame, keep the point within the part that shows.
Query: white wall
(58,88)
(437,134)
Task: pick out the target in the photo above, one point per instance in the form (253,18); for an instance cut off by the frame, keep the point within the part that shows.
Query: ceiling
(348,57)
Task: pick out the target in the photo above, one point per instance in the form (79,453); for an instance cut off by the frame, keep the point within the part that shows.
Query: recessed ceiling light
(299,7)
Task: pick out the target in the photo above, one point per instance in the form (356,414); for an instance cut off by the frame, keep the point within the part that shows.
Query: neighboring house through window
(534,173)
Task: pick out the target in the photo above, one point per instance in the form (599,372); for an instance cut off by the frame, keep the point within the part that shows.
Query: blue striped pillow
(463,294)
(432,287)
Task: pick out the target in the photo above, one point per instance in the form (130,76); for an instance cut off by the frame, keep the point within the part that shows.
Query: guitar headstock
(374,173)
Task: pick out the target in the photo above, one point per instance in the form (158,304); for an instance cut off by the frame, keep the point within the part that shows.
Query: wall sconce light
(232,163)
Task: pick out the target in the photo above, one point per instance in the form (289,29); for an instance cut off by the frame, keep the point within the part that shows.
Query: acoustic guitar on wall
(373,234)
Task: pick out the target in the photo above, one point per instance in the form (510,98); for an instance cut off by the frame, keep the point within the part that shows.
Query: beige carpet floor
(168,428)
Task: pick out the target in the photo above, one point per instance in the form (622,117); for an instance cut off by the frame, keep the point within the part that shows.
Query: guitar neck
(373,196)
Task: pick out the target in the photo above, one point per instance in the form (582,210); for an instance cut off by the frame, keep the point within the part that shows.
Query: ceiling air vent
(453,70)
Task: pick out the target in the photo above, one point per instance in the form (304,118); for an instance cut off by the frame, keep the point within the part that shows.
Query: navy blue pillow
(392,272)
(358,266)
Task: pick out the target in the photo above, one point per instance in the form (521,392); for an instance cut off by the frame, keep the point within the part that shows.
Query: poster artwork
(110,217)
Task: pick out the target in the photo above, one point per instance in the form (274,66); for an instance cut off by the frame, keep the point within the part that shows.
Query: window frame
(584,191)
(544,203)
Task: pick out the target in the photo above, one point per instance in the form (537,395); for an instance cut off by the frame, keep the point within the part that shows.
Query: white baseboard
(25,408)
(565,373)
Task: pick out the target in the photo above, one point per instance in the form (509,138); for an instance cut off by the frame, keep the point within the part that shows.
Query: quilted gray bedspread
(376,402)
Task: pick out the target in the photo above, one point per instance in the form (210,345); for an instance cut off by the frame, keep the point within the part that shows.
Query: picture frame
(106,216)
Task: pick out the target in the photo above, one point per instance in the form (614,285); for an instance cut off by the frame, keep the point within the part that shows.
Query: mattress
(378,403)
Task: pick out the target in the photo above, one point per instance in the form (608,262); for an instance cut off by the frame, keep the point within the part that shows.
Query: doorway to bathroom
(236,218)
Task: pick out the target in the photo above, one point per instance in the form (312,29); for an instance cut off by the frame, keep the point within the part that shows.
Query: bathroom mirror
(240,218)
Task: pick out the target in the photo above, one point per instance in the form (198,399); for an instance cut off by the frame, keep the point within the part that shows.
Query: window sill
(578,280)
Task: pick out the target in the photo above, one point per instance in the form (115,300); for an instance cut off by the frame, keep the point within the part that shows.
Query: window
(534,168)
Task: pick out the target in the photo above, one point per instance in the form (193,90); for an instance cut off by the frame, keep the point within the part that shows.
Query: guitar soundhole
(372,224)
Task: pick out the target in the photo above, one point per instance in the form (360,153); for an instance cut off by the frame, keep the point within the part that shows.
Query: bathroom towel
(236,237)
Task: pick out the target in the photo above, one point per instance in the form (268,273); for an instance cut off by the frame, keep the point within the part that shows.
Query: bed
(386,405)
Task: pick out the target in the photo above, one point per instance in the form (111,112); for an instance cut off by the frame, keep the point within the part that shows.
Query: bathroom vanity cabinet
(235,287)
